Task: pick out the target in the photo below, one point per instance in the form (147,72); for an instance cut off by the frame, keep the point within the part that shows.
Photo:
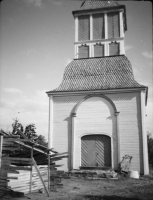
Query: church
(97,113)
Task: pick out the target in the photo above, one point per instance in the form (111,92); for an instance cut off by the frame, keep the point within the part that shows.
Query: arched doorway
(95,151)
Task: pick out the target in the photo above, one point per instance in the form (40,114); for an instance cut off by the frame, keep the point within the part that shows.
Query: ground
(79,188)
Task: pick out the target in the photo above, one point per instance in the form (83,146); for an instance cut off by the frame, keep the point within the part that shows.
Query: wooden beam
(40,177)
(31,171)
(48,171)
(29,147)
(15,158)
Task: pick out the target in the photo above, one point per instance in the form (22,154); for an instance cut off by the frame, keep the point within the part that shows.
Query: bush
(150,149)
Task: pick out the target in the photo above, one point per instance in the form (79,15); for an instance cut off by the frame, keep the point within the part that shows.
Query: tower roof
(92,4)
(103,73)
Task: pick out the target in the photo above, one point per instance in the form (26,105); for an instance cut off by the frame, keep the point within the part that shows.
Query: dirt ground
(79,188)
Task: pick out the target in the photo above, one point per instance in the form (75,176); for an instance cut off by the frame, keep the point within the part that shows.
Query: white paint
(122,47)
(144,135)
(129,106)
(106,26)
(50,126)
(118,136)
(91,27)
(73,141)
(121,24)
(94,116)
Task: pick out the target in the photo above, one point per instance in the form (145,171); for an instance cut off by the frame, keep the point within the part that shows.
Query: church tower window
(113,49)
(84,28)
(98,50)
(98,27)
(83,51)
(113,25)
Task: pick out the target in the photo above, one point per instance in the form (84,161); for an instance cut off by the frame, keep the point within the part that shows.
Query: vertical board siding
(113,49)
(98,50)
(95,116)
(113,25)
(128,104)
(98,27)
(84,28)
(83,52)
(62,126)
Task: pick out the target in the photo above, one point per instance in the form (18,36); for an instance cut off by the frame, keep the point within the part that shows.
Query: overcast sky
(37,42)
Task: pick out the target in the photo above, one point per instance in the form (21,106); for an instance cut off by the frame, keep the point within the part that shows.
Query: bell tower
(99,29)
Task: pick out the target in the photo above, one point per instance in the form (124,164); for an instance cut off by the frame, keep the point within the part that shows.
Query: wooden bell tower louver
(99,29)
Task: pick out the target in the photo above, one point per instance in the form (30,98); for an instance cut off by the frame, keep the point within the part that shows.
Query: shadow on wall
(138,102)
(69,128)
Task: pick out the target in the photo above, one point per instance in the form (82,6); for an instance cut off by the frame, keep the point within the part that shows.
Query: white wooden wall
(62,123)
(128,104)
(94,116)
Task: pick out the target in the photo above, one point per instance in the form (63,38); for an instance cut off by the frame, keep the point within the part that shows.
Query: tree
(29,132)
(41,140)
(150,149)
(16,125)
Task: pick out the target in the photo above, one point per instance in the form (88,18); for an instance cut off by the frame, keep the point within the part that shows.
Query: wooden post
(144,134)
(48,171)
(118,136)
(50,125)
(1,146)
(73,141)
(31,171)
(40,177)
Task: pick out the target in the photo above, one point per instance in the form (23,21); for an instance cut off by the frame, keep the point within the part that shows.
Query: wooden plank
(11,148)
(9,171)
(40,177)
(31,171)
(12,177)
(15,139)
(16,168)
(4,180)
(59,154)
(25,145)
(16,158)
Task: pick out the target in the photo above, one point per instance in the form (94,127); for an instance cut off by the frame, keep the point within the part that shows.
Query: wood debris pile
(20,159)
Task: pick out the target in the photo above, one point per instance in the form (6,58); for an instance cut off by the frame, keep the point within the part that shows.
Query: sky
(36,44)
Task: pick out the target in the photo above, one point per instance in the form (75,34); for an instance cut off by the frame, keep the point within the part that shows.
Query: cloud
(12,90)
(28,109)
(128,47)
(37,3)
(29,76)
(57,2)
(147,54)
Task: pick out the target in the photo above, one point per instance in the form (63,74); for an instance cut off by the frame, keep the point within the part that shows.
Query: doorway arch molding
(94,95)
(74,116)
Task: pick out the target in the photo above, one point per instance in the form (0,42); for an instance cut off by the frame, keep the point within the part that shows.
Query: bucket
(134,174)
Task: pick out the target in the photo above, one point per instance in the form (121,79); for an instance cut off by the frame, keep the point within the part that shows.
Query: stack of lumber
(23,182)
(18,165)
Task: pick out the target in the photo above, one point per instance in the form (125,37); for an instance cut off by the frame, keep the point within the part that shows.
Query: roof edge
(97,91)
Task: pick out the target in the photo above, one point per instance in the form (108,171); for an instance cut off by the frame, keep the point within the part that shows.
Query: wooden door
(95,151)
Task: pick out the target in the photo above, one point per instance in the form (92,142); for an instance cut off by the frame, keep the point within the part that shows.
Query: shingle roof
(92,4)
(103,73)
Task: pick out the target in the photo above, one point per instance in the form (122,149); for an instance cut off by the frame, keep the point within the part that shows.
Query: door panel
(95,150)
